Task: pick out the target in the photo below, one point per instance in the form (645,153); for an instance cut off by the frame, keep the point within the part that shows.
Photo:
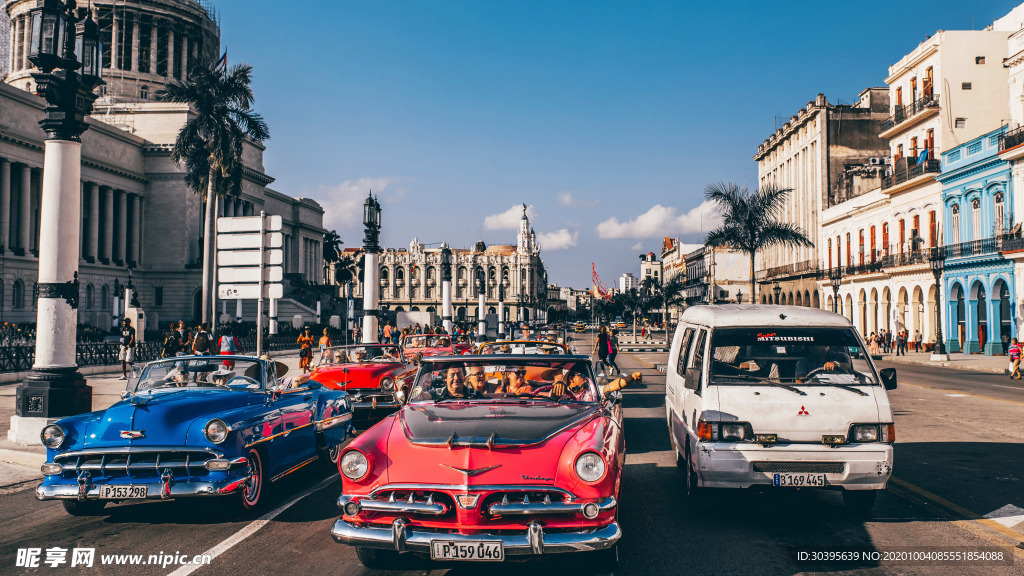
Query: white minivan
(778,396)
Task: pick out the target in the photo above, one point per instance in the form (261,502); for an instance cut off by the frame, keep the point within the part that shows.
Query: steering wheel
(242,382)
(838,370)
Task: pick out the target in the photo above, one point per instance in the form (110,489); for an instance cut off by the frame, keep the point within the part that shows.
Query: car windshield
(428,341)
(808,356)
(200,371)
(523,347)
(488,379)
(360,354)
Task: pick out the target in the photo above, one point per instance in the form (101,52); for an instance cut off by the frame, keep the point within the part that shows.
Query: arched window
(105,297)
(90,292)
(18,295)
(384,274)
(998,215)
(976,219)
(399,274)
(955,224)
(2,303)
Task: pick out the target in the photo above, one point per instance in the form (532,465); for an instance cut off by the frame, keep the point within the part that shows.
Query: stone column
(107,254)
(184,57)
(121,232)
(5,205)
(170,53)
(24,222)
(152,46)
(371,299)
(133,226)
(135,43)
(115,37)
(92,243)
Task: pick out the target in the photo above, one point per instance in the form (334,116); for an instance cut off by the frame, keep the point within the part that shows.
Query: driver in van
(824,359)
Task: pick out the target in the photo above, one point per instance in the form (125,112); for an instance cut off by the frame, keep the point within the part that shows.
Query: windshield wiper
(846,387)
(765,381)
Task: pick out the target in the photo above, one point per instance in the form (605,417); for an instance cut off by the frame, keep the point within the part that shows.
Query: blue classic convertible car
(193,426)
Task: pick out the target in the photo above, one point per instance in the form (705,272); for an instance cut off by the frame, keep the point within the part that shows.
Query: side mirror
(614,398)
(692,379)
(888,376)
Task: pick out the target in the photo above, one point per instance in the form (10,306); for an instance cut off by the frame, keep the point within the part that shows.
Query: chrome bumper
(401,538)
(156,488)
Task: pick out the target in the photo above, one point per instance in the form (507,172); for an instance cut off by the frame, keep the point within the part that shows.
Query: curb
(644,349)
(22,458)
(663,368)
(950,364)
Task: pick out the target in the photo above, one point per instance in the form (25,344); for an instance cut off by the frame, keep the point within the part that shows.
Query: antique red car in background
(373,375)
(436,345)
(458,474)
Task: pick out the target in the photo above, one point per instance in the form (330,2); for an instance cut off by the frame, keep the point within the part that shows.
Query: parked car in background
(376,376)
(193,426)
(459,475)
(523,347)
(435,344)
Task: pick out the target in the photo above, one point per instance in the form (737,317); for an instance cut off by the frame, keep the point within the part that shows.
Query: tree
(209,145)
(672,293)
(332,250)
(751,222)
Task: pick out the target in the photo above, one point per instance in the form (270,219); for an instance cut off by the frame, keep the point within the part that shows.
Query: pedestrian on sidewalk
(601,346)
(918,339)
(169,349)
(184,339)
(126,351)
(229,345)
(1005,340)
(901,343)
(325,341)
(201,343)
(613,351)
(305,342)
(1014,352)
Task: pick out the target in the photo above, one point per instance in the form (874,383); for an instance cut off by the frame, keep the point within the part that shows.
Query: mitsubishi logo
(803,412)
(472,471)
(133,434)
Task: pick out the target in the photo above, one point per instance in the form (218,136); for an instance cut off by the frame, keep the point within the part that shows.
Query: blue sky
(594,113)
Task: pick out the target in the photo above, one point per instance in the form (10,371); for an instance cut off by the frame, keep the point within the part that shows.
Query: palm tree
(672,293)
(209,145)
(751,221)
(332,250)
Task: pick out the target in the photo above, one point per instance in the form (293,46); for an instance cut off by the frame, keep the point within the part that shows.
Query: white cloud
(509,219)
(558,240)
(637,246)
(343,203)
(662,221)
(566,199)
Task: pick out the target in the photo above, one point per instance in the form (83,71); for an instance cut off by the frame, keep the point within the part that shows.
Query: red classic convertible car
(436,345)
(373,375)
(493,457)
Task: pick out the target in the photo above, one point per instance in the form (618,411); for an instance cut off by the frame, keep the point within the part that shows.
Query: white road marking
(957,395)
(249,530)
(1017,388)
(1008,515)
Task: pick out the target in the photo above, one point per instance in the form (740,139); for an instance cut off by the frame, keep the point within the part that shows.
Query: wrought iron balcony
(1011,138)
(992,245)
(1012,243)
(794,269)
(903,113)
(919,169)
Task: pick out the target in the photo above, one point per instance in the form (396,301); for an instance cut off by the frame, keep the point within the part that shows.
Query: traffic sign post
(249,263)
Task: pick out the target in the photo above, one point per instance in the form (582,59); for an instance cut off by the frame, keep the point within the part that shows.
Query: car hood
(348,376)
(162,417)
(528,441)
(796,418)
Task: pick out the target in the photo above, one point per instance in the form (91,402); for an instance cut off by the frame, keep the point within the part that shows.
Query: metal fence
(21,358)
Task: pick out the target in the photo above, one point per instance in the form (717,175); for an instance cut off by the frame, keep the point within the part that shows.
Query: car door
(295,440)
(676,371)
(692,397)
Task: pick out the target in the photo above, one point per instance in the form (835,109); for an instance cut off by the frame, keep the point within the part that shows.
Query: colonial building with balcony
(978,281)
(826,153)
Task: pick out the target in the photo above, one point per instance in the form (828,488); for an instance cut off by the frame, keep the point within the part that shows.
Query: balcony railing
(903,113)
(921,168)
(981,247)
(1012,243)
(797,268)
(1011,138)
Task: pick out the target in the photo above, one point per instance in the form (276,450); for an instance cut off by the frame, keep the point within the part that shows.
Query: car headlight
(590,467)
(872,433)
(52,436)
(732,432)
(354,465)
(387,384)
(216,431)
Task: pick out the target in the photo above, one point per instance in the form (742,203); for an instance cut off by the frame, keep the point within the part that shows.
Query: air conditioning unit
(875,161)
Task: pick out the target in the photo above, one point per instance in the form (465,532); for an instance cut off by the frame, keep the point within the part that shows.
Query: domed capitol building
(136,209)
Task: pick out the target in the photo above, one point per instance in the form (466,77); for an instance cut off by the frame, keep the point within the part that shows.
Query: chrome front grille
(407,501)
(801,467)
(138,461)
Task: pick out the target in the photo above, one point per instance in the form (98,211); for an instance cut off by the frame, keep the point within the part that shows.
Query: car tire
(255,490)
(695,495)
(83,507)
(375,558)
(860,502)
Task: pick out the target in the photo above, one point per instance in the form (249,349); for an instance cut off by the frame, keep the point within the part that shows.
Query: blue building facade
(977,282)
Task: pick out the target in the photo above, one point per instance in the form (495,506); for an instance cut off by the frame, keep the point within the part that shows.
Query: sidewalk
(973,362)
(21,462)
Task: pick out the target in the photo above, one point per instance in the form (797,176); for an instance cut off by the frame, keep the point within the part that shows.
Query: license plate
(487,551)
(123,492)
(809,480)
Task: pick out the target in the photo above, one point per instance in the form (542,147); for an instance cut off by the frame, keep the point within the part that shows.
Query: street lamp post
(371,269)
(446,287)
(937,260)
(739,296)
(836,279)
(501,308)
(777,290)
(481,286)
(64,44)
